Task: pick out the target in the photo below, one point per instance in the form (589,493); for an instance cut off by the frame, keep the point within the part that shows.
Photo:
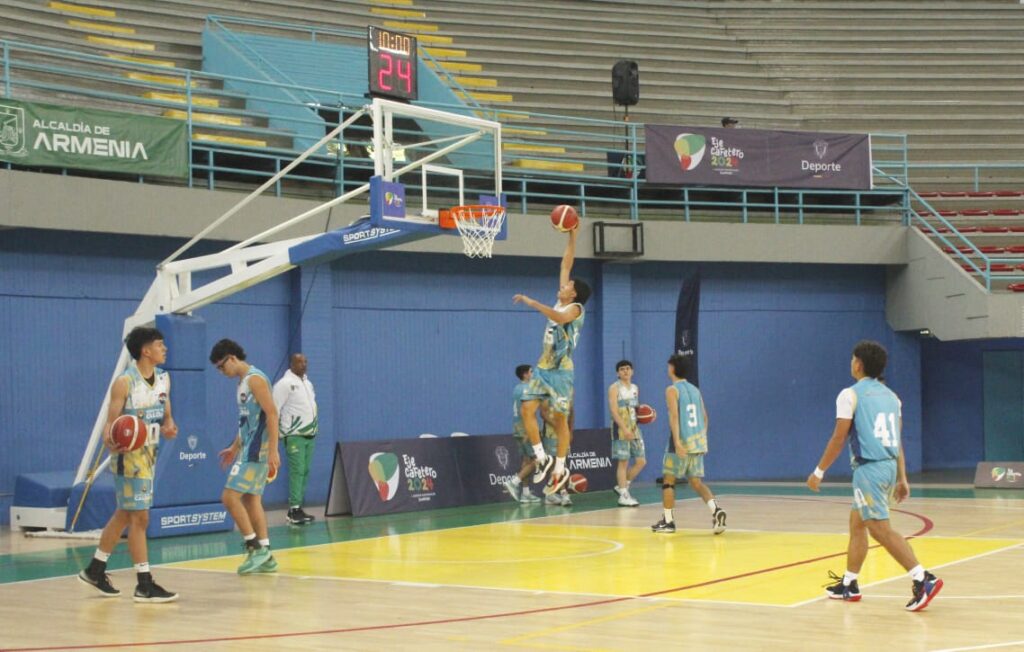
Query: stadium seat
(1006,212)
(992,249)
(1015,249)
(1006,193)
(995,229)
(975,212)
(952,193)
(1015,287)
(967,229)
(1002,267)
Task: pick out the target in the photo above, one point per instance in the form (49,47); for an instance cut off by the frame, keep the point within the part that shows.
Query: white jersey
(296,405)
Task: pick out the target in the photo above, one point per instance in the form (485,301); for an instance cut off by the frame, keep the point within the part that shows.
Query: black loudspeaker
(626,83)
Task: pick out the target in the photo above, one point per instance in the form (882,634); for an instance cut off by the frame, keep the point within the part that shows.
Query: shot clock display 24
(393,63)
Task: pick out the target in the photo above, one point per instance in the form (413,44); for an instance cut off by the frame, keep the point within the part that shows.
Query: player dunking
(257,443)
(553,374)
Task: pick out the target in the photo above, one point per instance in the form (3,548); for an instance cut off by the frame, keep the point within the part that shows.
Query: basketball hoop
(478,226)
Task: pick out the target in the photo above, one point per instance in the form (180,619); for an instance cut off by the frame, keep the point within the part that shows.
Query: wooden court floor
(590,577)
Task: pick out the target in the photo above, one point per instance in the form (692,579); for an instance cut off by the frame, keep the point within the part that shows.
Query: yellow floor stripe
(210,118)
(85,11)
(410,27)
(229,140)
(150,62)
(477,82)
(121,43)
(551,166)
(445,52)
(398,13)
(525,147)
(166,80)
(100,27)
(486,97)
(181,99)
(455,66)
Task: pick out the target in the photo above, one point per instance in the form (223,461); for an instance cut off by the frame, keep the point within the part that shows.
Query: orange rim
(446,219)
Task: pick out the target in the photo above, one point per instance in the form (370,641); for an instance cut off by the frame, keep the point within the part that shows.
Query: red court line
(927,526)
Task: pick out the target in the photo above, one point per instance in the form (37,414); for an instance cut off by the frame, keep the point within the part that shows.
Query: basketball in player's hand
(645,414)
(564,218)
(272,473)
(128,432)
(577,483)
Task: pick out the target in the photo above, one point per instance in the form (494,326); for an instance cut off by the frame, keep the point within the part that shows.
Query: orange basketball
(272,474)
(577,483)
(564,218)
(645,414)
(128,432)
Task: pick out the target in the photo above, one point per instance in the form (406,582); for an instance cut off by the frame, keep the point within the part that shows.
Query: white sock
(142,568)
(539,454)
(559,466)
(626,486)
(849,578)
(516,481)
(249,537)
(101,556)
(712,505)
(668,516)
(291,507)
(917,573)
(265,543)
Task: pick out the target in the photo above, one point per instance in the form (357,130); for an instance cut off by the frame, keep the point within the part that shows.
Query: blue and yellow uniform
(693,431)
(519,394)
(553,374)
(874,444)
(248,475)
(133,471)
(627,400)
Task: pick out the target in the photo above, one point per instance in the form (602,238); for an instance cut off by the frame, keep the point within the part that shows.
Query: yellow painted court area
(757,567)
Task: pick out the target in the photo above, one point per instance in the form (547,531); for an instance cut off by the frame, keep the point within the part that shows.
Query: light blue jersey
(149,403)
(560,341)
(693,430)
(252,420)
(519,394)
(875,410)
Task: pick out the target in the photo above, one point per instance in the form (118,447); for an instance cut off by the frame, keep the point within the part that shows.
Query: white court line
(893,579)
(960,597)
(990,646)
(615,547)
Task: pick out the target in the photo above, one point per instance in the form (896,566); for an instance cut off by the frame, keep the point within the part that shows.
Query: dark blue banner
(687,321)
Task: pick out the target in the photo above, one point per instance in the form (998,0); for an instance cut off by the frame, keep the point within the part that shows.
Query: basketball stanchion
(478,226)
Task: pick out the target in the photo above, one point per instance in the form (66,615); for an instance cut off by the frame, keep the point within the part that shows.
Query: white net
(478,226)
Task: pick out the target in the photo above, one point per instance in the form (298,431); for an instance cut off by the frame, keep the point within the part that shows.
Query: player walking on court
(143,390)
(627,440)
(687,445)
(553,374)
(256,442)
(872,412)
(514,486)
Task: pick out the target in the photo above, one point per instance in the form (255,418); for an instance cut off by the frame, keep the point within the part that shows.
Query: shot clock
(393,63)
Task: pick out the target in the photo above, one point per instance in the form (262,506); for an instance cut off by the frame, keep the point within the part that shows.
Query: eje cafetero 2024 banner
(711,156)
(48,135)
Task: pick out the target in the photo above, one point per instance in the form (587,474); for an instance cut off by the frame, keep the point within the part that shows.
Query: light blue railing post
(775,196)
(583,200)
(856,208)
(977,179)
(188,121)
(7,70)
(743,198)
(686,204)
(634,186)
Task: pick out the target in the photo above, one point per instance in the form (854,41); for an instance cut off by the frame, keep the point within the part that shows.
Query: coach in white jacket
(297,420)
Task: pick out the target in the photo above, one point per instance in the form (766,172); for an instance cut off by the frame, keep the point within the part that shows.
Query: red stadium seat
(1007,193)
(947,213)
(967,229)
(980,193)
(992,249)
(1015,287)
(995,229)
(975,212)
(952,193)
(1002,267)
(931,194)
(1006,212)
(968,268)
(1015,249)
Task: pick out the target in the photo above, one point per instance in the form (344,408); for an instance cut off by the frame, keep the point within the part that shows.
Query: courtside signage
(999,475)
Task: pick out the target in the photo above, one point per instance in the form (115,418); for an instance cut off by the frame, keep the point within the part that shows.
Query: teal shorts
(248,477)
(629,449)
(133,494)
(873,487)
(690,466)
(553,384)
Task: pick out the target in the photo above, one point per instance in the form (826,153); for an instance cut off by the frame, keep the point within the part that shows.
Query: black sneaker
(661,527)
(718,521)
(838,591)
(100,582)
(149,591)
(306,518)
(924,591)
(295,516)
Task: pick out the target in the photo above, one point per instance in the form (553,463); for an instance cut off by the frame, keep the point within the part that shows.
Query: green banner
(90,139)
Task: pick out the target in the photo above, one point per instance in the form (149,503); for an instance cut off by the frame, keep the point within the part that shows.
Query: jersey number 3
(886,430)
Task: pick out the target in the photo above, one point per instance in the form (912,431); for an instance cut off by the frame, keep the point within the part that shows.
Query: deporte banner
(48,135)
(401,475)
(712,156)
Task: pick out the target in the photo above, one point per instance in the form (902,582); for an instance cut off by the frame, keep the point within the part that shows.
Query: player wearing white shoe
(627,440)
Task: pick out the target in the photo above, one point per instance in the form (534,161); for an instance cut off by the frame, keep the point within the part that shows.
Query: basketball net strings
(89,479)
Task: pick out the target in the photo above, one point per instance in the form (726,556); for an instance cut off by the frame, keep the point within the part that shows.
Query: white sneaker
(553,499)
(542,469)
(626,499)
(514,489)
(566,500)
(527,497)
(618,492)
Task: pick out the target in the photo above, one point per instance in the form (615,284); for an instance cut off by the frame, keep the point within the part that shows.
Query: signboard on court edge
(48,135)
(999,475)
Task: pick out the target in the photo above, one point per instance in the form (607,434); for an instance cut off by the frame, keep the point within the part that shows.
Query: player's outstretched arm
(568,258)
(559,317)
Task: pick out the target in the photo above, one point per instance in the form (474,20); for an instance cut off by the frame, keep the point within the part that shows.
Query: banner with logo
(387,477)
(714,156)
(999,475)
(49,135)
(687,321)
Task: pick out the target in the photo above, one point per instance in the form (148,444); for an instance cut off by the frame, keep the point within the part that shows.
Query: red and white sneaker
(556,482)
